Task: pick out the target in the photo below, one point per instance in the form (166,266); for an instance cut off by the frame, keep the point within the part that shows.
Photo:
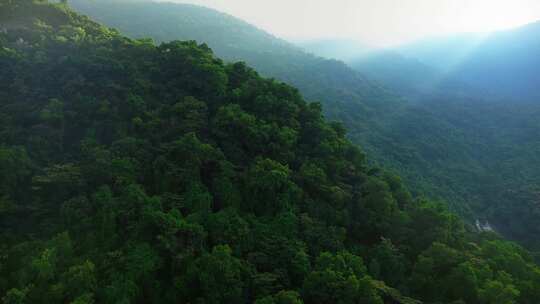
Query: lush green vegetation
(448,140)
(136,173)
(456,141)
(330,82)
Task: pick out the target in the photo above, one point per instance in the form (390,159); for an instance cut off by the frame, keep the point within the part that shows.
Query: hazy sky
(377,22)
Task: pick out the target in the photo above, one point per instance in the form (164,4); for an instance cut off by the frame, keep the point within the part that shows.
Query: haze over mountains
(500,62)
(340,49)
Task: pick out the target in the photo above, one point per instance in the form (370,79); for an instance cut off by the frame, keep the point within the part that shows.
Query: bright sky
(377,22)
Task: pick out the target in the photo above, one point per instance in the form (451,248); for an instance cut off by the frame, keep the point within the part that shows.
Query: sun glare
(489,15)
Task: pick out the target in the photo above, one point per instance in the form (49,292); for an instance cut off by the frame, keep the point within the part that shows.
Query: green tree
(339,278)
(283,297)
(269,188)
(217,277)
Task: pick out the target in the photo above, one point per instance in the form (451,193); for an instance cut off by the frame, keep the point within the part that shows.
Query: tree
(217,277)
(496,292)
(388,264)
(339,278)
(269,189)
(283,297)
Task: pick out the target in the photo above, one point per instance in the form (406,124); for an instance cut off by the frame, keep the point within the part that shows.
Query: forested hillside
(473,142)
(141,173)
(327,81)
(464,135)
(349,97)
(473,153)
(448,139)
(363,107)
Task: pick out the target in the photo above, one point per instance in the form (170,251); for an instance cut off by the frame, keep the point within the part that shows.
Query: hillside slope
(136,173)
(364,108)
(327,81)
(473,142)
(446,140)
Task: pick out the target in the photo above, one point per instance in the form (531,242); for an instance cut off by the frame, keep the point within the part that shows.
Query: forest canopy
(140,173)
(448,138)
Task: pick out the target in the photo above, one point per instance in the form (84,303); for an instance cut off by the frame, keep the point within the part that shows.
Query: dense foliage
(473,147)
(330,82)
(136,173)
(448,140)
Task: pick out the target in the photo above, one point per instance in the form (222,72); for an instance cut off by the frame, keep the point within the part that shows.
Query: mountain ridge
(487,61)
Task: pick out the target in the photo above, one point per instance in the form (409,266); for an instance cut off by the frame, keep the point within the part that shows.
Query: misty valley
(161,152)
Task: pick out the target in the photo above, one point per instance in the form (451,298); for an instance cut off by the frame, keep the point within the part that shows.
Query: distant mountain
(505,62)
(407,76)
(442,52)
(465,135)
(414,79)
(339,49)
(227,35)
